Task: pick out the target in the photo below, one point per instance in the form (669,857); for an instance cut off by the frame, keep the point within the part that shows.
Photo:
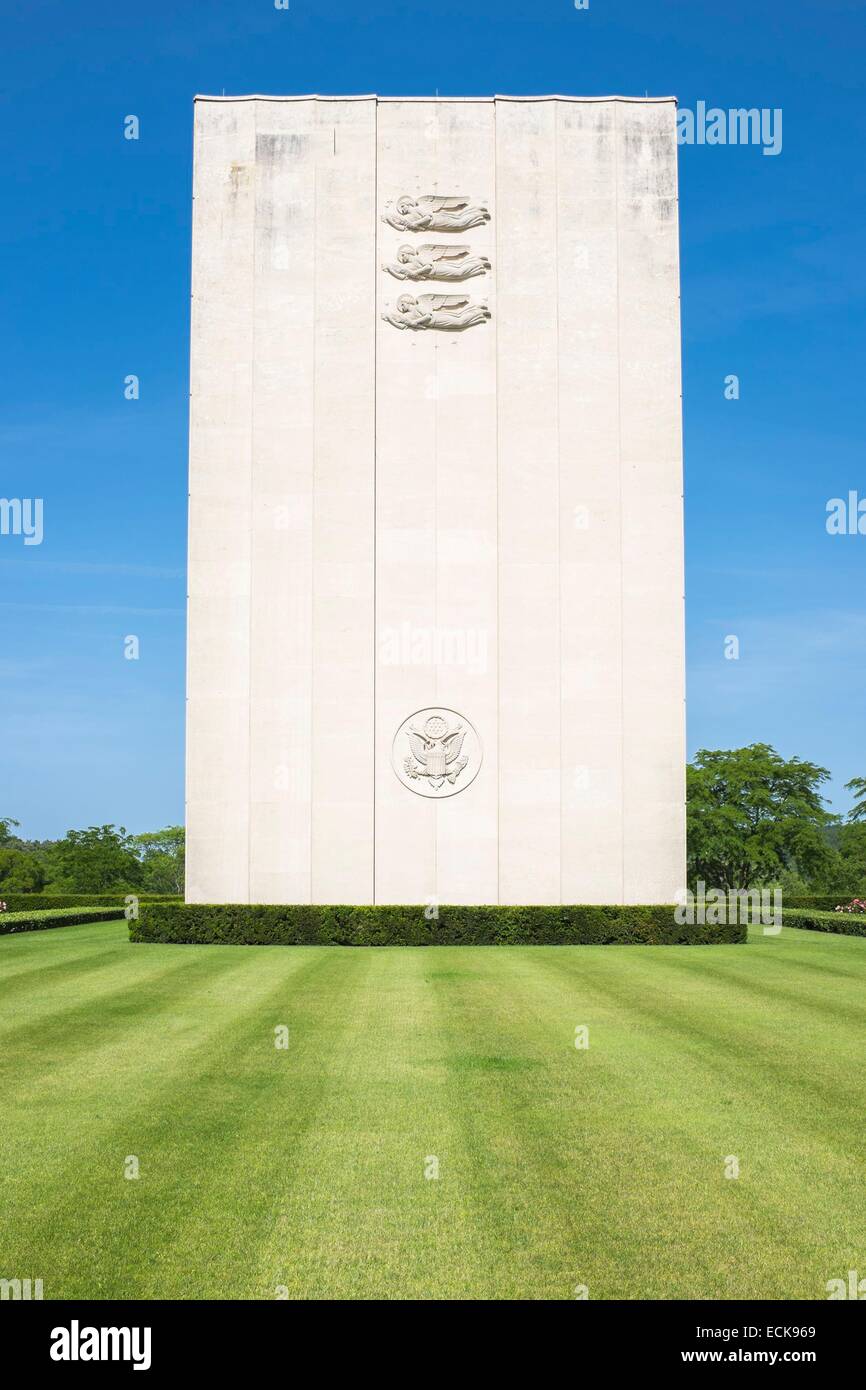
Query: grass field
(304,1169)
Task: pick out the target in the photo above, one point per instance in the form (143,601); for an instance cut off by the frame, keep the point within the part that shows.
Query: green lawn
(305,1167)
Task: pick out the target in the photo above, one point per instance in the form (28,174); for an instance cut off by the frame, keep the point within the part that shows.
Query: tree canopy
(6,824)
(99,859)
(161,853)
(857,785)
(95,860)
(20,872)
(753,814)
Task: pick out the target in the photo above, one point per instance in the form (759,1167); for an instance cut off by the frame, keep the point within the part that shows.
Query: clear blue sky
(95,266)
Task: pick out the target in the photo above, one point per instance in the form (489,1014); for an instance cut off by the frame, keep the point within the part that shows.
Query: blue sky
(95,268)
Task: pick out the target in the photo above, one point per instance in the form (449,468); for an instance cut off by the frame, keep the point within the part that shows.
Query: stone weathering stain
(506,472)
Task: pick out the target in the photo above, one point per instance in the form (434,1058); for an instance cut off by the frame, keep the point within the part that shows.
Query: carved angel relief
(434,214)
(452,312)
(434,261)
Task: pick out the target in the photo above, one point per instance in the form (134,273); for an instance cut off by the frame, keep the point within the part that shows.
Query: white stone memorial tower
(435,545)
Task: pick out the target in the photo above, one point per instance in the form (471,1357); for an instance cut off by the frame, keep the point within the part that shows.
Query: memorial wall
(435,542)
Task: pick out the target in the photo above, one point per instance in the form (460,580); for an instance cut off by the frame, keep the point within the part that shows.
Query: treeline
(95,860)
(754,819)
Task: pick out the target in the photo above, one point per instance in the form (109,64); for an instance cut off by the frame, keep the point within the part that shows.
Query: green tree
(851,846)
(6,823)
(95,860)
(857,785)
(161,853)
(752,815)
(20,872)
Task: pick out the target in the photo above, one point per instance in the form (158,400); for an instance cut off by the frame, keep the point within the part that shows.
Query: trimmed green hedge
(241,924)
(820,902)
(11,922)
(35,902)
(842,923)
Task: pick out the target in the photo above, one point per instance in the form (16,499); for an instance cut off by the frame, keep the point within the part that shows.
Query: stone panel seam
(623,820)
(251,523)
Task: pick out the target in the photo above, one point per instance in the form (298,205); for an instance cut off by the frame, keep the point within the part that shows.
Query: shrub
(843,923)
(11,922)
(35,902)
(821,902)
(293,924)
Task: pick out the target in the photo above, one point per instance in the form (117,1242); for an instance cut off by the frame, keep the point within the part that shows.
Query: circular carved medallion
(436,752)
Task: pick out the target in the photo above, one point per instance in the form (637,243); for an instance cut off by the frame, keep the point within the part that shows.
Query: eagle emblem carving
(435,752)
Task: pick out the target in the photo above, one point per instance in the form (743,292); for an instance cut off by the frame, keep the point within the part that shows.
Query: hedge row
(236,924)
(11,922)
(842,923)
(35,902)
(821,902)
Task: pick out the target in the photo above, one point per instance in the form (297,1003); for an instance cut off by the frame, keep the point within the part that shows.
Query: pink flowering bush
(855,905)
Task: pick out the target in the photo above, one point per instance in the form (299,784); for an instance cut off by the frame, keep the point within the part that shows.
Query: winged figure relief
(435,752)
(434,214)
(448,311)
(436,262)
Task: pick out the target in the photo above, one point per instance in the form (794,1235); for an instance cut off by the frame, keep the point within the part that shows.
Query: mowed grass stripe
(549,1123)
(729,1025)
(519,1118)
(358,1216)
(68,1028)
(508,1057)
(726,1030)
(82,947)
(76,972)
(305,1168)
(784,973)
(737,1096)
(215,1157)
(545,1141)
(166,1087)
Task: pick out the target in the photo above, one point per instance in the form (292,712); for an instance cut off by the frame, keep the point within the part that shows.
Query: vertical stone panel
(406,417)
(220,504)
(651,470)
(436,493)
(466,518)
(529,502)
(590,533)
(284,433)
(344,503)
